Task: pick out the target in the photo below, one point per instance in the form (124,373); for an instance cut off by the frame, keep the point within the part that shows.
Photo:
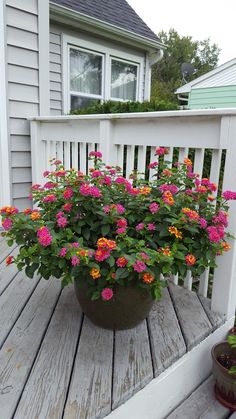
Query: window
(123,80)
(95,72)
(86,78)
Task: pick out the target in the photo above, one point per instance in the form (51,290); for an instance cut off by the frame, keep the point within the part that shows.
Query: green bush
(126,107)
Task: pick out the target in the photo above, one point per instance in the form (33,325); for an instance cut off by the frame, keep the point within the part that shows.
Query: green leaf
(111,261)
(122,273)
(86,233)
(105,229)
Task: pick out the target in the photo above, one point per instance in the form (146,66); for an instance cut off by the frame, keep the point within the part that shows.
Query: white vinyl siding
(23,91)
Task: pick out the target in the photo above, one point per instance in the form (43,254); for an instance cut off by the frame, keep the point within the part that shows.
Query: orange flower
(211,198)
(82,252)
(166,251)
(176,232)
(148,278)
(95,273)
(166,172)
(226,246)
(145,190)
(190,259)
(188,162)
(35,215)
(106,244)
(27,211)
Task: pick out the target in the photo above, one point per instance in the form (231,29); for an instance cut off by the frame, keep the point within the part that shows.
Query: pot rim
(216,360)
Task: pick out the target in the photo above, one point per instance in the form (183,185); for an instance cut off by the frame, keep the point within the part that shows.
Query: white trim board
(163,394)
(5,191)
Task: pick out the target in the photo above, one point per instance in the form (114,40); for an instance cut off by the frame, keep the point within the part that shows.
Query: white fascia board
(188,86)
(66,15)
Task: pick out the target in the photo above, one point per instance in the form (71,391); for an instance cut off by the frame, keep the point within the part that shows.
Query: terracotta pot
(225,383)
(128,307)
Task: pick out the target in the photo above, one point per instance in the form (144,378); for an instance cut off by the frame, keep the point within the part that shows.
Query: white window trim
(108,53)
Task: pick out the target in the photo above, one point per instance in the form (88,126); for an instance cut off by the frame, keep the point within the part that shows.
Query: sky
(201,19)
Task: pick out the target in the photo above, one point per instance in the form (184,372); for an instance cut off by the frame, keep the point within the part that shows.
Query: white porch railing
(71,138)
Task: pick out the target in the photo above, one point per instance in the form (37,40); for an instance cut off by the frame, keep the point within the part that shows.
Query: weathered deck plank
(215,318)
(89,394)
(5,250)
(54,363)
(201,404)
(132,363)
(167,342)
(193,320)
(13,300)
(19,350)
(7,273)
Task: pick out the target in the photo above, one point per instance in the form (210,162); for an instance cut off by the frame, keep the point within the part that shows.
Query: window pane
(123,80)
(77,102)
(85,72)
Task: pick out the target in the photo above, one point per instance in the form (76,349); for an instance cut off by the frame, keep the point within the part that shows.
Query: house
(64,54)
(215,89)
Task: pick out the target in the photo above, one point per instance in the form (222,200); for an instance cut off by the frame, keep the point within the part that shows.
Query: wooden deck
(55,364)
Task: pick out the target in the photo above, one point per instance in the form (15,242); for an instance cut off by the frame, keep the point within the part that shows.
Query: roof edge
(186,88)
(66,12)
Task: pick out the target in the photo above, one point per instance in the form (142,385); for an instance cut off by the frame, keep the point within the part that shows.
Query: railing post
(109,153)
(224,285)
(38,153)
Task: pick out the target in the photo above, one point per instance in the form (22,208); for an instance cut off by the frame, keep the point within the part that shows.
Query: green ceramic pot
(129,306)
(225,383)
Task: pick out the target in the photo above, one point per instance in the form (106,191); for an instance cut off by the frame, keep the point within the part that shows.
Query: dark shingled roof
(115,12)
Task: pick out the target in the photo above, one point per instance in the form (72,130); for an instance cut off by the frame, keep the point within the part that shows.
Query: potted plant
(224,372)
(116,238)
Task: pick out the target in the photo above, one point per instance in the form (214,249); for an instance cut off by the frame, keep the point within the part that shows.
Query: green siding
(214,97)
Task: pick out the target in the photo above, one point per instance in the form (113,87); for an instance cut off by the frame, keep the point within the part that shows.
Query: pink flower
(112,172)
(152,165)
(60,214)
(75,244)
(197,182)
(154,207)
(221,231)
(75,260)
(61,222)
(36,187)
(7,223)
(63,252)
(139,266)
(160,151)
(95,192)
(106,180)
(221,218)
(50,198)
(213,234)
(229,195)
(122,223)
(144,256)
(190,175)
(68,193)
(120,209)
(85,189)
(121,230)
(101,254)
(171,188)
(121,262)
(57,162)
(60,173)
(106,209)
(203,223)
(67,207)
(46,173)
(140,226)
(107,294)
(50,185)
(120,180)
(96,173)
(97,154)
(151,227)
(44,236)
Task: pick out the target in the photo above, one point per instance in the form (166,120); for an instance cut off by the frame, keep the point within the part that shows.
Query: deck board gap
(72,368)
(37,352)
(176,313)
(151,350)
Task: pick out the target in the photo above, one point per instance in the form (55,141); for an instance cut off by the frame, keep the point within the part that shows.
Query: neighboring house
(59,55)
(215,89)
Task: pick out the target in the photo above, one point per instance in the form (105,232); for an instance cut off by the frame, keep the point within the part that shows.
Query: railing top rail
(140,115)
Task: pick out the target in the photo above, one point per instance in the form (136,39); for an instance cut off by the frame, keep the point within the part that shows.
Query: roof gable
(224,75)
(114,12)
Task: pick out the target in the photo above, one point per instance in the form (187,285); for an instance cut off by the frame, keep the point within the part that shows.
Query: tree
(166,74)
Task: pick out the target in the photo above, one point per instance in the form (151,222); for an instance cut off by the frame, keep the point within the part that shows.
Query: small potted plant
(224,372)
(116,238)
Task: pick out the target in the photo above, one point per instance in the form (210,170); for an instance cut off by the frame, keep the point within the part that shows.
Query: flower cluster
(106,230)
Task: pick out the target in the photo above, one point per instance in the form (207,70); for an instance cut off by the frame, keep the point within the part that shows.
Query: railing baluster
(129,160)
(90,148)
(67,155)
(215,167)
(188,281)
(59,148)
(203,283)
(82,158)
(183,152)
(198,161)
(142,159)
(75,155)
(120,156)
(169,156)
(153,158)
(48,154)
